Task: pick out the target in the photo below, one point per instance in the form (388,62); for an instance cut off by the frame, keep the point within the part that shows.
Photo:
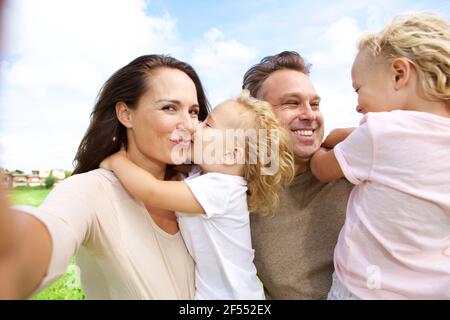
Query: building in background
(36,178)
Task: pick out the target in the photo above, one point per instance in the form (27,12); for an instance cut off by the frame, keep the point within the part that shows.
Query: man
(294,246)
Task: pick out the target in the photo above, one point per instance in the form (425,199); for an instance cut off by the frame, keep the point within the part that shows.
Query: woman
(125,250)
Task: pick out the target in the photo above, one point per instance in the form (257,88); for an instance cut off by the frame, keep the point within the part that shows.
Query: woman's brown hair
(105,134)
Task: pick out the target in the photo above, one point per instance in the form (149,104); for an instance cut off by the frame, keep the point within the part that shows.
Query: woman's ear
(124,114)
(402,72)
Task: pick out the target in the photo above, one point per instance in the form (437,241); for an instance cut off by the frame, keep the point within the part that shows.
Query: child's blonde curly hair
(422,38)
(264,185)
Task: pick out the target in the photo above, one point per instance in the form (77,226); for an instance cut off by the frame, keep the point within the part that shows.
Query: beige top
(121,251)
(294,248)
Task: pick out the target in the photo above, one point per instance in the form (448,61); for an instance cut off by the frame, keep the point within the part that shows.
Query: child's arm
(169,195)
(325,166)
(336,136)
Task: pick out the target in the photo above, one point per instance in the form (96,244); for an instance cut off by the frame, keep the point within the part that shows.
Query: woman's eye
(169,108)
(356,90)
(194,112)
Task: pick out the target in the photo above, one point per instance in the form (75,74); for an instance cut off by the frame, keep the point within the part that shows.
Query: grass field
(67,287)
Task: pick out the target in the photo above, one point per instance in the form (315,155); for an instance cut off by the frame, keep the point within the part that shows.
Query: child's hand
(108,163)
(336,136)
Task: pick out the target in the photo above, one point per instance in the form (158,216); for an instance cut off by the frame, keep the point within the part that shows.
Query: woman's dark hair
(106,134)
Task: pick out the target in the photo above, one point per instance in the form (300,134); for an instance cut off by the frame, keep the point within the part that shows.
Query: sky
(58,53)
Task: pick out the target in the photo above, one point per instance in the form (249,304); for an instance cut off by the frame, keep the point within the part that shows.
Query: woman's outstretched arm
(25,251)
(169,195)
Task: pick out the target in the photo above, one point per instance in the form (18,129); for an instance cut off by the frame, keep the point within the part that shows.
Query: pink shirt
(395,243)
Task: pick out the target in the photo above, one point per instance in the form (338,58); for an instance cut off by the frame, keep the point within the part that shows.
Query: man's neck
(301,166)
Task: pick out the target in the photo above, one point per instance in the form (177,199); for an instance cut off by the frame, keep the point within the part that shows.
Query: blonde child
(211,204)
(395,243)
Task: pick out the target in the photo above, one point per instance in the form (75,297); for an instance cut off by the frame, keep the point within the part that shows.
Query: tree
(50,182)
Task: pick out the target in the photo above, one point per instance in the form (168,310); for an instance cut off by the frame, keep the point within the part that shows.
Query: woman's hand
(336,136)
(108,163)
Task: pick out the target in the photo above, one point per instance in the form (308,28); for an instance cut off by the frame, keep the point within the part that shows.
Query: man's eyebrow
(292,95)
(299,96)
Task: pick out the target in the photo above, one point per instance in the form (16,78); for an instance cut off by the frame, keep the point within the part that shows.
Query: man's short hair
(255,76)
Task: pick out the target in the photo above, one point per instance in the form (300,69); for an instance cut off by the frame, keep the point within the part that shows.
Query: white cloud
(338,44)
(331,72)
(59,54)
(221,64)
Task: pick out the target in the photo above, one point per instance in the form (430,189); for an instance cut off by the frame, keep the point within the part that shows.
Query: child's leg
(339,292)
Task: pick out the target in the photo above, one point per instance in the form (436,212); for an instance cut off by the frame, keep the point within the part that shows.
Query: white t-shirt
(395,243)
(220,241)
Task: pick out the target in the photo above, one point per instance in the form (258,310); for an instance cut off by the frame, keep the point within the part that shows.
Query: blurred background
(58,53)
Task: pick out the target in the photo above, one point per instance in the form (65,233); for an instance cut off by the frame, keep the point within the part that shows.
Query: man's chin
(304,154)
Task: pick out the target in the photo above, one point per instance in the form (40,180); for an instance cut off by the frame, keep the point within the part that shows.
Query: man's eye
(315,105)
(292,102)
(356,90)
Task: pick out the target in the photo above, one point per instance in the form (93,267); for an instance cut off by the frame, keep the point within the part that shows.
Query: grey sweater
(294,247)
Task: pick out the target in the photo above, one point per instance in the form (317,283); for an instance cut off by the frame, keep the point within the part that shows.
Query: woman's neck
(156,168)
(165,219)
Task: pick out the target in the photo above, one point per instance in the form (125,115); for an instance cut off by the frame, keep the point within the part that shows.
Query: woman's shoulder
(89,181)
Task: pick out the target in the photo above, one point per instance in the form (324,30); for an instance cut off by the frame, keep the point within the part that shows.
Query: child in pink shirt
(395,243)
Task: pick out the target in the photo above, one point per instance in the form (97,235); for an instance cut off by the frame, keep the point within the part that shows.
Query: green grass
(68,287)
(29,196)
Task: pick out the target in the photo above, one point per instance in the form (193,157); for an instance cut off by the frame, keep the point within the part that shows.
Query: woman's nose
(358,109)
(188,123)
(198,126)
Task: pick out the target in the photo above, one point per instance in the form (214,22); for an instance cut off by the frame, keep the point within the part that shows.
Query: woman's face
(163,121)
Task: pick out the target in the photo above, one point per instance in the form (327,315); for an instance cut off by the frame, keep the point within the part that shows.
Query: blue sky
(58,53)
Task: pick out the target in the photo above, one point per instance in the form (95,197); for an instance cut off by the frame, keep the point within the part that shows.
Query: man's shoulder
(318,189)
(336,191)
(341,185)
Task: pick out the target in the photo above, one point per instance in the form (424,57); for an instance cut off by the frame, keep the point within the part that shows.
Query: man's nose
(306,112)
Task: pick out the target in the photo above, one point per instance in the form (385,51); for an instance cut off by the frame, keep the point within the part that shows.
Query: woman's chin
(179,156)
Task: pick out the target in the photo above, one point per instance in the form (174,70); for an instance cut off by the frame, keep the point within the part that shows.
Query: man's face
(296,104)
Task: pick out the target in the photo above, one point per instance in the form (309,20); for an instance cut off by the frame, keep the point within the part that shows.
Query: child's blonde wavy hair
(422,38)
(264,188)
